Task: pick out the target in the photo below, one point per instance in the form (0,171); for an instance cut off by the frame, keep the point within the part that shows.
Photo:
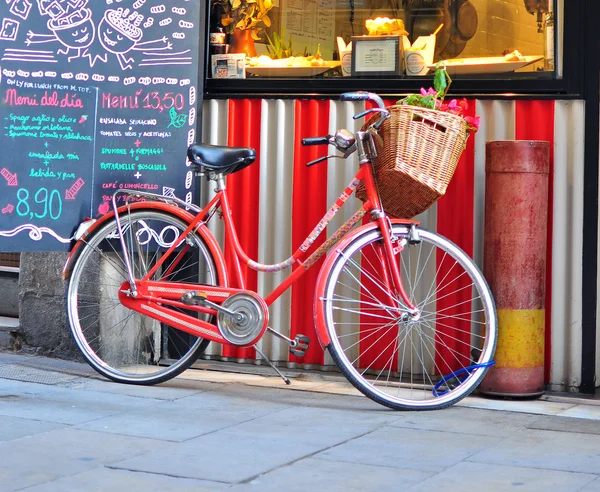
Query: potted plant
(243,20)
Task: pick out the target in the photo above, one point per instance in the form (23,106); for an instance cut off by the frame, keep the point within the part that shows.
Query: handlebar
(344,140)
(368,96)
(316,140)
(362,96)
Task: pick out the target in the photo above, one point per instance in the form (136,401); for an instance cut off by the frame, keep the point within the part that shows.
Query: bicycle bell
(344,139)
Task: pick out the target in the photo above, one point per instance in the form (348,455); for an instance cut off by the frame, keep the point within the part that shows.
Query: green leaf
(440,83)
(277,41)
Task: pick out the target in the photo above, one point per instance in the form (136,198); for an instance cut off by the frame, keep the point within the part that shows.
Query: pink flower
(452,105)
(430,92)
(473,122)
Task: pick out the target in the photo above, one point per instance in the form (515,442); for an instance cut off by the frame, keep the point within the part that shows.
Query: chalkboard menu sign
(95,96)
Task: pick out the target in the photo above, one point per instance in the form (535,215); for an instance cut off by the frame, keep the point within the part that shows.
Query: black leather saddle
(220,159)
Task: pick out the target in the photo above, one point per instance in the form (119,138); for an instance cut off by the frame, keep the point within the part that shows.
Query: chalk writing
(13,98)
(44,203)
(94,97)
(146,100)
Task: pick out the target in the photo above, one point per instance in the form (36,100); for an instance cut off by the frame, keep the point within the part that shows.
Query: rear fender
(182,214)
(319,314)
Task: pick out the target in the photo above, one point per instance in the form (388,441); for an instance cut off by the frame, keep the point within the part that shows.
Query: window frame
(540,85)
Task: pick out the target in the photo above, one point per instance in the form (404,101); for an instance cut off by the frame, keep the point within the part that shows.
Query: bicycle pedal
(301,345)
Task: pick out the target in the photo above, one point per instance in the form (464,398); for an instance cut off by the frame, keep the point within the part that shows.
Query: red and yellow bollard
(516,217)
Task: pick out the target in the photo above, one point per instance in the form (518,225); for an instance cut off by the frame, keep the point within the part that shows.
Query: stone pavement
(64,428)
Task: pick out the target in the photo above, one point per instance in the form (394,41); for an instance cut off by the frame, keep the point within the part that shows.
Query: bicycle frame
(138,293)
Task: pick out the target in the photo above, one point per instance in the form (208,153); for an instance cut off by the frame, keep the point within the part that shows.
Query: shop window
(311,38)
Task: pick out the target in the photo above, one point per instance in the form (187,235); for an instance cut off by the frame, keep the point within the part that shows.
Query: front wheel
(121,344)
(409,361)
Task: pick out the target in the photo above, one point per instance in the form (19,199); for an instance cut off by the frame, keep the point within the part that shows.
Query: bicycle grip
(315,140)
(355,96)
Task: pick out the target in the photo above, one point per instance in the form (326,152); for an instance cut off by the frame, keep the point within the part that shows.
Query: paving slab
(582,412)
(567,424)
(548,450)
(311,474)
(12,428)
(540,407)
(592,486)
(105,478)
(464,420)
(46,457)
(410,448)
(261,444)
(184,418)
(170,390)
(62,405)
(482,476)
(223,456)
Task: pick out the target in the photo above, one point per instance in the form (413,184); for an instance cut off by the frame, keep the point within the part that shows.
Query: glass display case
(328,46)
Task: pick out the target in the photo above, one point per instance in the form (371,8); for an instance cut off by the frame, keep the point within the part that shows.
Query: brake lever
(346,154)
(316,161)
(372,110)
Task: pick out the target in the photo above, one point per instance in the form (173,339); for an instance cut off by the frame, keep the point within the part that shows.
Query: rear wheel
(415,361)
(121,344)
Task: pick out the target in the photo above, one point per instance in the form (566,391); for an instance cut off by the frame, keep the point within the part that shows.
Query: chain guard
(253,323)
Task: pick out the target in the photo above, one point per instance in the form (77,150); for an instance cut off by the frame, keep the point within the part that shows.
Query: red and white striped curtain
(277,201)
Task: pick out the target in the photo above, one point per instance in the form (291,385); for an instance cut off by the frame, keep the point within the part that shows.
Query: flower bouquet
(433,98)
(419,148)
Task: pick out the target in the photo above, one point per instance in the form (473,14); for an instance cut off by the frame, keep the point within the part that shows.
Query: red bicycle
(405,314)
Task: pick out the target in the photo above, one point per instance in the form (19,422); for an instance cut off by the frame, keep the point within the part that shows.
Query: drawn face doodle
(119,32)
(77,32)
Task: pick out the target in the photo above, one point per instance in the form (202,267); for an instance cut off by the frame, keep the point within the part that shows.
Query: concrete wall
(43,325)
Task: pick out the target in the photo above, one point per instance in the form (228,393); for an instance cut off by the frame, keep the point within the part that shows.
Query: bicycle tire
(118,343)
(406,363)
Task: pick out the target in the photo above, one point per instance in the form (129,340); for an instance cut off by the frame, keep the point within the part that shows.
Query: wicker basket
(417,156)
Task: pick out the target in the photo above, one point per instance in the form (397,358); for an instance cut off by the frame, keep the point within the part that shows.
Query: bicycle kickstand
(287,381)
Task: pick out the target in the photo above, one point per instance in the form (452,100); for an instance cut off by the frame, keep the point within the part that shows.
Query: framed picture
(376,55)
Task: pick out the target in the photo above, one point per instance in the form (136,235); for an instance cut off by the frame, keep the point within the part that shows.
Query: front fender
(319,311)
(182,214)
